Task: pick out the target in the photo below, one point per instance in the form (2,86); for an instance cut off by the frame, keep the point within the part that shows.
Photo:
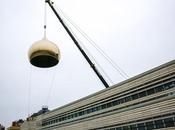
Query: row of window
(150,125)
(114,98)
(154,98)
(125,99)
(120,95)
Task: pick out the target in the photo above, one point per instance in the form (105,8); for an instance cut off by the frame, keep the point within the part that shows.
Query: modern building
(30,123)
(144,102)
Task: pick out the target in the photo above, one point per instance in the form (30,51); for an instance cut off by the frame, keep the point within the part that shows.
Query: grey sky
(137,34)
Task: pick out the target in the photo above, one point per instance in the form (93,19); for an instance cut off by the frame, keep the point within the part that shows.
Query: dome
(44,54)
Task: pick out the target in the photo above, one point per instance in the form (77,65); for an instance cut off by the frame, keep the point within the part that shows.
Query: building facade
(15,126)
(30,123)
(144,102)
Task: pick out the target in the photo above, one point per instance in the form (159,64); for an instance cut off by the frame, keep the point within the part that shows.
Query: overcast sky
(137,34)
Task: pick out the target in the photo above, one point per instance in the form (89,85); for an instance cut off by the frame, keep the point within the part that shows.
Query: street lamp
(47,54)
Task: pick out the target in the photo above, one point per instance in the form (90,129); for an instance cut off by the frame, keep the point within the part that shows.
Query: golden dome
(44,54)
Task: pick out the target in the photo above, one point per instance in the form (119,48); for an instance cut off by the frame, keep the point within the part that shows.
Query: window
(86,112)
(159,124)
(118,128)
(128,98)
(71,116)
(115,102)
(103,106)
(149,125)
(121,101)
(75,114)
(65,118)
(125,127)
(109,104)
(151,91)
(135,96)
(169,85)
(169,122)
(141,126)
(159,88)
(80,113)
(142,94)
(98,108)
(133,127)
(89,110)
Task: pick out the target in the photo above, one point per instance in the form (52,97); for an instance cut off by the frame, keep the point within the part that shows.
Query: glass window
(71,115)
(118,128)
(135,96)
(125,127)
(89,111)
(150,91)
(115,102)
(169,85)
(109,104)
(169,122)
(159,124)
(133,127)
(159,88)
(80,113)
(141,126)
(121,101)
(149,125)
(92,109)
(128,98)
(142,94)
(75,114)
(103,106)
(96,108)
(85,111)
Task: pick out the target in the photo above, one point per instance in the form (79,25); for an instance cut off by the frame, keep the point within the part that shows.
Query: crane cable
(51,86)
(113,64)
(29,90)
(45,19)
(53,76)
(89,53)
(86,50)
